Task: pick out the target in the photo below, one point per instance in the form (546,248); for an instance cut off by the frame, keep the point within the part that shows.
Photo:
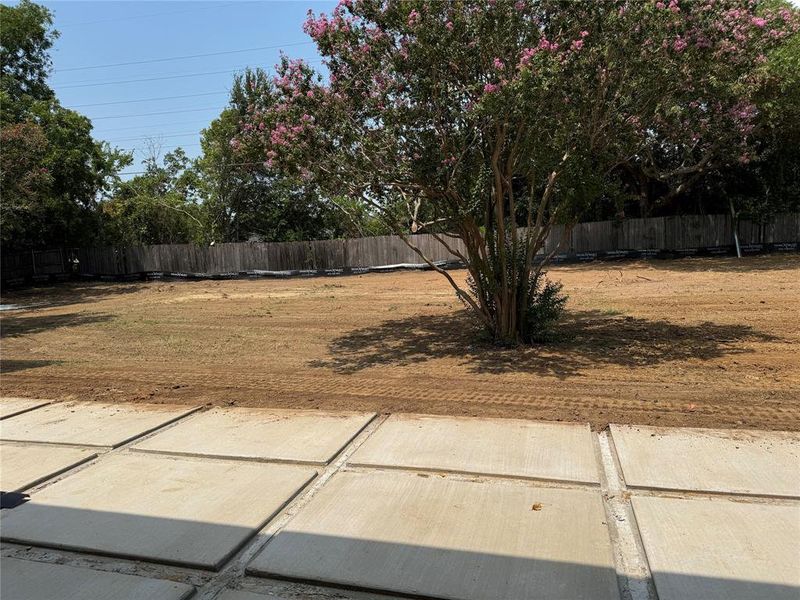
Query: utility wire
(204,124)
(93,83)
(159,147)
(154,136)
(171,58)
(181,76)
(165,112)
(242,164)
(131,17)
(150,99)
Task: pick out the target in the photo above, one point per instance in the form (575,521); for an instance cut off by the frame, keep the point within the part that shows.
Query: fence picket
(675,233)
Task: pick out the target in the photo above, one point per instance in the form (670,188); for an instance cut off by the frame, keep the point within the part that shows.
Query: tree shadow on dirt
(63,294)
(586,339)
(10,365)
(16,325)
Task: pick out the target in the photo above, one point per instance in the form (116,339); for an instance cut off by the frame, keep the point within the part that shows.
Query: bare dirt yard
(699,342)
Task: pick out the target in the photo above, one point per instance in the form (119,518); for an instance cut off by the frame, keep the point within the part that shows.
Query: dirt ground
(700,342)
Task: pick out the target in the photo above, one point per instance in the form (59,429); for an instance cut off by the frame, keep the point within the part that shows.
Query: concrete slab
(261,434)
(90,423)
(721,550)
(14,406)
(25,465)
(175,510)
(242,595)
(416,534)
(506,447)
(28,580)
(732,461)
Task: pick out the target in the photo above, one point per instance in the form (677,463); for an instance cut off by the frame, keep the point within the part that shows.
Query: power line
(154,136)
(159,147)
(128,18)
(149,99)
(81,84)
(205,123)
(243,164)
(166,112)
(155,60)
(234,70)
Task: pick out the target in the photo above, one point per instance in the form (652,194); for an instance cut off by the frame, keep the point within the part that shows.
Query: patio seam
(633,571)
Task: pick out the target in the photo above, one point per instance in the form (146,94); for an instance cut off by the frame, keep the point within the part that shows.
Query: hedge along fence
(632,237)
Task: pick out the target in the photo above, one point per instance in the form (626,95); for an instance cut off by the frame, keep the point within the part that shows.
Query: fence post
(735,229)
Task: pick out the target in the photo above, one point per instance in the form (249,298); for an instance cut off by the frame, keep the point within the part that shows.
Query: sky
(95,35)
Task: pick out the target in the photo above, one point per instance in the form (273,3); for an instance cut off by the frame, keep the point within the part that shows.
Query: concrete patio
(174,502)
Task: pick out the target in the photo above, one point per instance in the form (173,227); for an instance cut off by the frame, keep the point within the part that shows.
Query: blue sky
(94,34)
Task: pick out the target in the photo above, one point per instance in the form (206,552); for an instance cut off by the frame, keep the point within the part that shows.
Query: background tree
(244,200)
(52,171)
(750,103)
(25,41)
(159,206)
(494,121)
(23,178)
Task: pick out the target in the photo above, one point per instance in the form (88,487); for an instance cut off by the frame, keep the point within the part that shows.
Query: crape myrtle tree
(493,121)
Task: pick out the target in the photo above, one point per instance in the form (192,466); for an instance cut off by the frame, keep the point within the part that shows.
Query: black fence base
(566,258)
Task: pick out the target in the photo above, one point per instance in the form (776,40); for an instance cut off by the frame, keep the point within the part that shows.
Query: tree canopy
(494,121)
(52,171)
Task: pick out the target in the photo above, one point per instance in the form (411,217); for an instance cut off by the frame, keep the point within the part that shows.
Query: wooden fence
(682,235)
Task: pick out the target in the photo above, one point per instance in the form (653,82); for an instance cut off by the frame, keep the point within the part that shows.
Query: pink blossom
(413,18)
(584,33)
(490,88)
(316,28)
(310,93)
(702,42)
(519,5)
(679,45)
(526,56)
(661,5)
(673,6)
(449,25)
(759,22)
(577,45)
(498,64)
